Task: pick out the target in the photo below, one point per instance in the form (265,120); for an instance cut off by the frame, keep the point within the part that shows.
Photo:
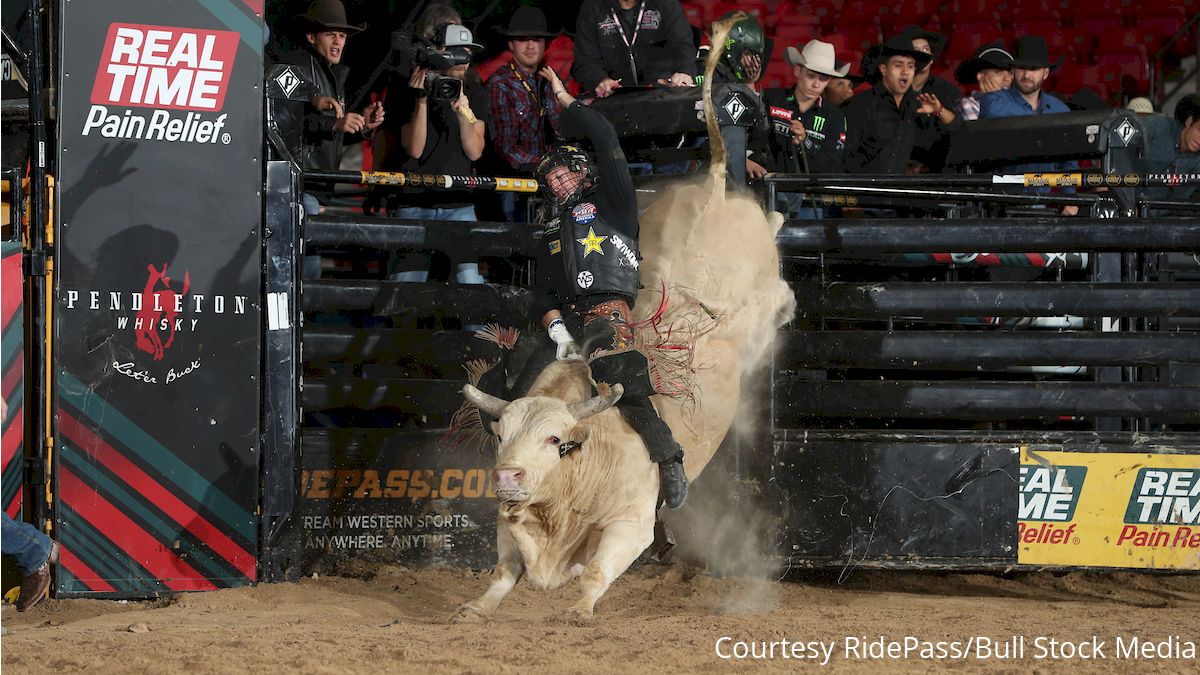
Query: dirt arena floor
(661,618)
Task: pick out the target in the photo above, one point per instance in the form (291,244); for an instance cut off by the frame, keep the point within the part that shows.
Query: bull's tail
(716,170)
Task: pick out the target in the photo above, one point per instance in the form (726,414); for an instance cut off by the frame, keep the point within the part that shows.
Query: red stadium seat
(1129,39)
(1133,68)
(560,45)
(758,10)
(485,69)
(779,74)
(1073,43)
(793,13)
(694,13)
(1096,25)
(1053,10)
(967,37)
(793,35)
(1037,25)
(979,11)
(1067,79)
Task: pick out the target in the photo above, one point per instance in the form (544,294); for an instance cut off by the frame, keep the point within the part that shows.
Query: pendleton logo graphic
(180,73)
(1165,497)
(164,309)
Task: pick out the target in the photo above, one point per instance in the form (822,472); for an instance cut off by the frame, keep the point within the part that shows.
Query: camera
(451,46)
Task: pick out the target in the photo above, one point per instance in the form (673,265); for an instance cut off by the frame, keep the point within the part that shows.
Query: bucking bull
(578,491)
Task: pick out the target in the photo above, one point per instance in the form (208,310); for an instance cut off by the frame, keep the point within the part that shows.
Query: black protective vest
(595,258)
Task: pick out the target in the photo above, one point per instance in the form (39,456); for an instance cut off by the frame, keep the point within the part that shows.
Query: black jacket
(662,44)
(323,145)
(881,135)
(824,141)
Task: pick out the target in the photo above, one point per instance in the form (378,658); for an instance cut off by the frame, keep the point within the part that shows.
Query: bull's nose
(507,478)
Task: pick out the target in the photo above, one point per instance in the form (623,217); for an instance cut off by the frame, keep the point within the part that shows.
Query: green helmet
(745,37)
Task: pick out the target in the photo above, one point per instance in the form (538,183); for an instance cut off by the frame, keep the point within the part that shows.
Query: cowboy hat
(818,57)
(325,15)
(1030,52)
(527,22)
(993,55)
(897,45)
(854,79)
(937,41)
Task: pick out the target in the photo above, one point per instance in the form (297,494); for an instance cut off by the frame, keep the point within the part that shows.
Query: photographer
(427,134)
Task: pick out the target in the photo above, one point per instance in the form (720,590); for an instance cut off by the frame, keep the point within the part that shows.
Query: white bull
(591,512)
(588,513)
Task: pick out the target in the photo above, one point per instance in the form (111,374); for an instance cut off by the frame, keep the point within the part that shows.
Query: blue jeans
(24,542)
(791,205)
(414,266)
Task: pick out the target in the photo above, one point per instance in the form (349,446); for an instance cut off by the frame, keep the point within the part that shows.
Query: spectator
(1086,99)
(632,42)
(327,125)
(925,81)
(34,553)
(432,136)
(1141,105)
(991,69)
(887,122)
(841,89)
(932,158)
(1031,66)
(522,116)
(1172,145)
(807,131)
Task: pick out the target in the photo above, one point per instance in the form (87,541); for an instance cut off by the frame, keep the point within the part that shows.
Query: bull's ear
(495,427)
(579,434)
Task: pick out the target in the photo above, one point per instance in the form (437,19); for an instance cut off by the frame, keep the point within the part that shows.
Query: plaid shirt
(515,121)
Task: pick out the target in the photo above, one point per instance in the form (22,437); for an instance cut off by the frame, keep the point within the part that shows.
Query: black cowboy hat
(854,79)
(325,15)
(1030,52)
(897,45)
(1086,99)
(937,41)
(992,55)
(527,22)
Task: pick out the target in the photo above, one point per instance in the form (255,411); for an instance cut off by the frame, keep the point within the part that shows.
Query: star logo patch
(591,243)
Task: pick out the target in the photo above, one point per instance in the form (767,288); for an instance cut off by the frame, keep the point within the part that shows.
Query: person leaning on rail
(328,126)
(522,117)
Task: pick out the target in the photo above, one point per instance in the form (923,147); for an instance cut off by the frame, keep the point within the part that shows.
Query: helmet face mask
(564,173)
(744,49)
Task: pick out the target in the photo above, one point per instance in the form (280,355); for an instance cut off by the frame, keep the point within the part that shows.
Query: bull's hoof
(578,617)
(468,613)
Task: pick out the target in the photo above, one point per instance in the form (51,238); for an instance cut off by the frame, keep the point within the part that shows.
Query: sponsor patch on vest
(584,213)
(627,253)
(651,19)
(555,247)
(584,279)
(591,243)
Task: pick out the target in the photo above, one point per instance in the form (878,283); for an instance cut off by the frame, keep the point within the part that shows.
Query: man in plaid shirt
(522,114)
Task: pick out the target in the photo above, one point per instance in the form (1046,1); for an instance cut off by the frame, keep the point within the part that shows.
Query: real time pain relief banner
(1109,509)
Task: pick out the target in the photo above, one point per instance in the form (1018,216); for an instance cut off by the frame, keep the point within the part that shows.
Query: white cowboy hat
(818,57)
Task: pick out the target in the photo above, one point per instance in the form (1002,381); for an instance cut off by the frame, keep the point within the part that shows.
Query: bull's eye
(554,440)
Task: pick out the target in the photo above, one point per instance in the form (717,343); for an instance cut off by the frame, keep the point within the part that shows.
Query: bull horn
(596,404)
(485,402)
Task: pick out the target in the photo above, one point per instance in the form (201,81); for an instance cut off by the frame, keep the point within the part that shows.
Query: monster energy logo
(818,123)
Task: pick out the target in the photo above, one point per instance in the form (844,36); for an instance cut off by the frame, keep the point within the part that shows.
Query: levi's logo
(165,67)
(782,113)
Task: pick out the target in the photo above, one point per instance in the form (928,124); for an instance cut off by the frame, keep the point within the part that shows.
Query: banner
(1109,509)
(157,297)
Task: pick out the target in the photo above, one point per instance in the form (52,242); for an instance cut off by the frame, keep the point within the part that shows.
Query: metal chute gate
(971,383)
